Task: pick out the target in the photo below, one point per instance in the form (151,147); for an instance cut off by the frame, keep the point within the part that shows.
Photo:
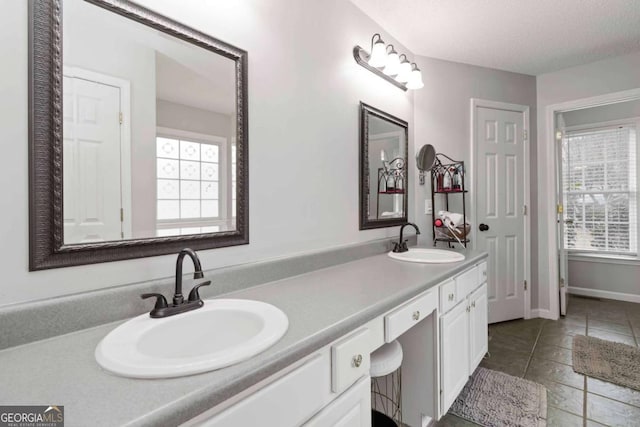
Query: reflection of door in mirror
(93,144)
(150,123)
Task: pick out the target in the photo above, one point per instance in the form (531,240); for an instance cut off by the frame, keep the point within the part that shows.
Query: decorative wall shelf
(448,178)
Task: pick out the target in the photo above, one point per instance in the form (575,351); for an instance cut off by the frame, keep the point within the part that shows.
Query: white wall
(598,78)
(442,118)
(304,90)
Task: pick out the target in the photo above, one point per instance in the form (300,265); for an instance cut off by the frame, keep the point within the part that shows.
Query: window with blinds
(599,189)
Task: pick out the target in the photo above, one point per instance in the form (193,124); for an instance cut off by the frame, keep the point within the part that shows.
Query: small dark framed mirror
(383,168)
(138,135)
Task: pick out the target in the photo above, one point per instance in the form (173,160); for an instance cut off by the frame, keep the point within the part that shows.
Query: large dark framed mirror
(384,145)
(138,135)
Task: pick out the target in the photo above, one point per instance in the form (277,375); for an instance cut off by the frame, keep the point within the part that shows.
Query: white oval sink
(427,256)
(221,333)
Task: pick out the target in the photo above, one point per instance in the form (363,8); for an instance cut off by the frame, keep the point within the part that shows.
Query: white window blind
(599,188)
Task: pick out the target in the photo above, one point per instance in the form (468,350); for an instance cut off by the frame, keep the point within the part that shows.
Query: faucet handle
(161,301)
(194,295)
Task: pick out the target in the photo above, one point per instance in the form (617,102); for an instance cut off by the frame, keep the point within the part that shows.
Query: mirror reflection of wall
(149,131)
(387,169)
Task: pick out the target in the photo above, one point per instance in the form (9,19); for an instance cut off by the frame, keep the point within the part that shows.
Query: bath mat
(607,360)
(491,398)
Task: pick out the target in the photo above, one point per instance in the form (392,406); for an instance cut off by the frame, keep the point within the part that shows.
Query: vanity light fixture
(415,78)
(385,62)
(404,71)
(378,57)
(392,67)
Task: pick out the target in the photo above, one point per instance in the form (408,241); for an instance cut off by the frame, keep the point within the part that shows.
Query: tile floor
(540,350)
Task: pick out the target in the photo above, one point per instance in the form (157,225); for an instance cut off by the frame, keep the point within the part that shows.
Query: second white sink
(221,333)
(427,256)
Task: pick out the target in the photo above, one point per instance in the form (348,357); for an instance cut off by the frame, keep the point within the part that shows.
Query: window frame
(611,256)
(223,179)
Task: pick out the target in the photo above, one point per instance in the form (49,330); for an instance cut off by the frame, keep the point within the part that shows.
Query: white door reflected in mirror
(149,131)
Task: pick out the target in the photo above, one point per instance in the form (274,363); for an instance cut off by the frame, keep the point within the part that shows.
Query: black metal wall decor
(448,179)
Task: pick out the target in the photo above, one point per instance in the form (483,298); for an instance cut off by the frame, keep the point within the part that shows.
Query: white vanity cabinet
(351,409)
(454,354)
(463,332)
(330,387)
(443,332)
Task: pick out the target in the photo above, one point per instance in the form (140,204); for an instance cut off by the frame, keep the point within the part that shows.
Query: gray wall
(605,276)
(304,91)
(598,78)
(184,117)
(442,118)
(603,113)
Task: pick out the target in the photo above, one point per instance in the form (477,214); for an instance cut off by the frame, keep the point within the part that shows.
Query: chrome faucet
(162,308)
(401,244)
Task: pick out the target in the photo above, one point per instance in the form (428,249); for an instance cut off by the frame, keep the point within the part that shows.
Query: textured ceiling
(524,36)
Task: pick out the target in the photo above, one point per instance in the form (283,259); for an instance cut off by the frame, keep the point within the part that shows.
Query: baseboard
(542,313)
(597,293)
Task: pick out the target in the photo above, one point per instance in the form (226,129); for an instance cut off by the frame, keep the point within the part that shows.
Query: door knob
(483,227)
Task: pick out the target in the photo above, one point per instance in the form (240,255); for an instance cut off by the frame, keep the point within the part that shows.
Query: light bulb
(393,62)
(404,71)
(378,57)
(415,79)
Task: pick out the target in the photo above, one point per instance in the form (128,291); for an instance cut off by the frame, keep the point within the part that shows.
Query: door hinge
(525,285)
(525,134)
(524,210)
(560,209)
(120,118)
(562,282)
(121,215)
(559,135)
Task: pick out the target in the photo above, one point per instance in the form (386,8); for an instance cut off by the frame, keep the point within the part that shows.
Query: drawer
(288,401)
(466,283)
(350,360)
(448,296)
(401,319)
(482,272)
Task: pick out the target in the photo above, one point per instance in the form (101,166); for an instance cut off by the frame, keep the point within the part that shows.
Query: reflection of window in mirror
(192,179)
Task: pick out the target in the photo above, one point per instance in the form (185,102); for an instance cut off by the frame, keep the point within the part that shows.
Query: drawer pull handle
(451,297)
(416,315)
(468,309)
(357,361)
(473,304)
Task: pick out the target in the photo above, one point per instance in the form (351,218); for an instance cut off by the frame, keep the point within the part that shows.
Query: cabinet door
(478,327)
(351,409)
(454,351)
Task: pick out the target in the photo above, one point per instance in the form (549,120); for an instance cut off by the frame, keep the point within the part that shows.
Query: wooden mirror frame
(365,222)
(46,225)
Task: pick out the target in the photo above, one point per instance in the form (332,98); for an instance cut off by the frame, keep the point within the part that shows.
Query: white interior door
(563,256)
(500,201)
(91,153)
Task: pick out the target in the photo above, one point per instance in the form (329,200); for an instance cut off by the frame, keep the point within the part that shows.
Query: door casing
(547,184)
